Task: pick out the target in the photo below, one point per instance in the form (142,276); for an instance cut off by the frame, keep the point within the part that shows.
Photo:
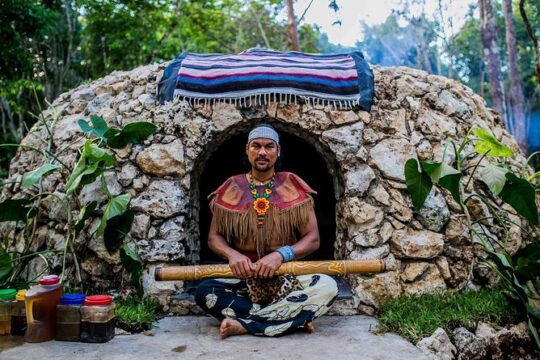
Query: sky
(352,12)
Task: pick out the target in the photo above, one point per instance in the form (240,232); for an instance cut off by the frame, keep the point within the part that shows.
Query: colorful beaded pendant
(261,203)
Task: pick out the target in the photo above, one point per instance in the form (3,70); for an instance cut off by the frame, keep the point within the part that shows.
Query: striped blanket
(258,76)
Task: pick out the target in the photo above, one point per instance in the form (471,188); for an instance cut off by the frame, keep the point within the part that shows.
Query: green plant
(135,314)
(504,185)
(94,160)
(418,316)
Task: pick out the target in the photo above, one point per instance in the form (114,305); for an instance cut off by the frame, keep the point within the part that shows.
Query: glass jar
(18,314)
(68,317)
(97,319)
(6,299)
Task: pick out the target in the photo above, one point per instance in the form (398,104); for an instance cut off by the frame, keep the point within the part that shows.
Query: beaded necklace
(261,203)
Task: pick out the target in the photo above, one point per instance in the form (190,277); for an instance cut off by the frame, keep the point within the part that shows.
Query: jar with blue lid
(68,317)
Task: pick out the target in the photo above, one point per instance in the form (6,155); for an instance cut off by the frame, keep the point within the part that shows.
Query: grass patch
(135,314)
(417,316)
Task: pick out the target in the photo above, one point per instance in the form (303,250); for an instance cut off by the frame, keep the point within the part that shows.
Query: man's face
(262,154)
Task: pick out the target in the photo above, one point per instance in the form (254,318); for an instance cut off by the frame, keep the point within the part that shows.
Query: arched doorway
(297,156)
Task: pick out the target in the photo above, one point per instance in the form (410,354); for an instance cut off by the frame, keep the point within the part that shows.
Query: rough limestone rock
(417,244)
(486,342)
(438,346)
(414,115)
(469,345)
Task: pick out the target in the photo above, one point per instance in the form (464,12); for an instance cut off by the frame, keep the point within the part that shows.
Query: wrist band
(287,252)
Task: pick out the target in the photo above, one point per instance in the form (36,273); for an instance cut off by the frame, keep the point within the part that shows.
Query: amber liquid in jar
(41,304)
(97,319)
(18,318)
(5,317)
(93,332)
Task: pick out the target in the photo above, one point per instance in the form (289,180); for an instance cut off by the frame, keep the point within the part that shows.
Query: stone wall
(414,116)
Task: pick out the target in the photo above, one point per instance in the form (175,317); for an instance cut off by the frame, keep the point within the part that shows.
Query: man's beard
(264,167)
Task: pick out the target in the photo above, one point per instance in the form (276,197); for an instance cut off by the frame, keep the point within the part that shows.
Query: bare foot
(230,327)
(310,327)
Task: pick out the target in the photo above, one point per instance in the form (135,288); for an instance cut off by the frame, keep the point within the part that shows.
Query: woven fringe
(264,99)
(279,226)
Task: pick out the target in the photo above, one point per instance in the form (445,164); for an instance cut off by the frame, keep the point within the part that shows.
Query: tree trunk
(534,40)
(492,57)
(293,31)
(516,113)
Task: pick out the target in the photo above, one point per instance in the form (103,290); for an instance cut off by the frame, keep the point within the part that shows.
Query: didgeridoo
(328,267)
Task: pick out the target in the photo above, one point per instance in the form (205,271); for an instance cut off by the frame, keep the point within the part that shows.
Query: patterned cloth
(259,76)
(228,298)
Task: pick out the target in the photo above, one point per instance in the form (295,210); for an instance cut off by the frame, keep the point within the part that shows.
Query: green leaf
(132,133)
(503,262)
(520,194)
(116,230)
(32,177)
(534,332)
(444,175)
(15,210)
(488,145)
(6,265)
(133,264)
(85,214)
(494,177)
(451,183)
(438,170)
(527,262)
(98,128)
(418,183)
(92,163)
(116,206)
(95,154)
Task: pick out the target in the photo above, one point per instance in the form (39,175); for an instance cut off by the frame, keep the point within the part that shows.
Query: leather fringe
(280,226)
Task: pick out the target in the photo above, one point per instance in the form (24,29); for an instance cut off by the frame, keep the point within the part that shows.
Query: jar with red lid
(97,319)
(41,301)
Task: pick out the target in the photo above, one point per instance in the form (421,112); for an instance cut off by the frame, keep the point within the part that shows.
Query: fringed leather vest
(236,219)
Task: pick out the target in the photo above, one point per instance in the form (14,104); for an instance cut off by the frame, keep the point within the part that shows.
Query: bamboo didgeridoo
(329,267)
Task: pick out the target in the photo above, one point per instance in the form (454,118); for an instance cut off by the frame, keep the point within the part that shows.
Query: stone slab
(197,337)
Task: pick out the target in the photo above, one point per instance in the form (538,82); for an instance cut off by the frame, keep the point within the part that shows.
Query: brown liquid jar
(68,317)
(7,297)
(41,301)
(18,315)
(97,319)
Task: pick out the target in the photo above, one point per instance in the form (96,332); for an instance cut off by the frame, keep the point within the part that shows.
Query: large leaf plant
(116,218)
(482,153)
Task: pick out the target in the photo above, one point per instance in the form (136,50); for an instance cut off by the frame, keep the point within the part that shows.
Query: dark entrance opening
(297,156)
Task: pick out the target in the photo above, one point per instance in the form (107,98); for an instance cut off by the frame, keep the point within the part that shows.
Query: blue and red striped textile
(258,76)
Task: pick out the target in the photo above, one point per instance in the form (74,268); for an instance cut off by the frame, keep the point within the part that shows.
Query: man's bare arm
(241,266)
(309,241)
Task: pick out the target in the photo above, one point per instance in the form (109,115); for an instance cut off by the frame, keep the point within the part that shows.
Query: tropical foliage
(484,155)
(116,218)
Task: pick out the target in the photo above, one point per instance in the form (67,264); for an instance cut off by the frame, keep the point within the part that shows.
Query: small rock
(390,156)
(469,346)
(438,346)
(417,244)
(128,173)
(162,159)
(359,179)
(434,213)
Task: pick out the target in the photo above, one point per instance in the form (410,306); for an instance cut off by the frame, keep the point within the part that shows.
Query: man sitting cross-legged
(260,220)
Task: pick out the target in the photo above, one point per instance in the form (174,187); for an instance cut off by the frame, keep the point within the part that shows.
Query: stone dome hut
(354,159)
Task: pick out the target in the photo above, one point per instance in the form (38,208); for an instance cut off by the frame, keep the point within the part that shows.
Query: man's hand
(241,266)
(267,266)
